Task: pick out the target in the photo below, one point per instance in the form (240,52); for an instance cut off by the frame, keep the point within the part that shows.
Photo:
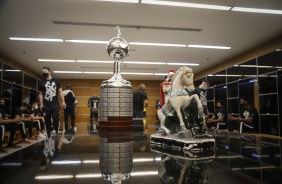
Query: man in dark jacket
(70,109)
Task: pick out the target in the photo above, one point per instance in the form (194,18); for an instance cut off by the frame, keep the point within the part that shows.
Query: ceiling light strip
(36,39)
(68,72)
(187,5)
(157,44)
(98,72)
(93,61)
(184,64)
(256,10)
(133,73)
(141,62)
(88,41)
(209,46)
(120,1)
(55,60)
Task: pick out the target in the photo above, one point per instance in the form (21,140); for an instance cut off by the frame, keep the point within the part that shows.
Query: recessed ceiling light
(55,60)
(188,5)
(88,175)
(120,1)
(209,46)
(68,72)
(256,10)
(87,41)
(141,62)
(52,177)
(36,39)
(219,75)
(157,44)
(184,64)
(93,61)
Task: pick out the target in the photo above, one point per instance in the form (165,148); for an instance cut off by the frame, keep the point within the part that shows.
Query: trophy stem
(117,67)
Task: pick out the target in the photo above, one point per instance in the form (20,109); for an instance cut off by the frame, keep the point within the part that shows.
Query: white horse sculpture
(179,97)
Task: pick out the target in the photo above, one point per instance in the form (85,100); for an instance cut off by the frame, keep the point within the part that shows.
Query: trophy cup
(116,105)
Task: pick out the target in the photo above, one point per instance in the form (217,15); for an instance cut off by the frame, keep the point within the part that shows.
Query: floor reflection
(127,157)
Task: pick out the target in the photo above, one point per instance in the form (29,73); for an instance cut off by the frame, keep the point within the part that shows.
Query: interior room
(236,46)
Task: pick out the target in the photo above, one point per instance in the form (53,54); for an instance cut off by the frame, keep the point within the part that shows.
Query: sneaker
(13,146)
(74,129)
(40,135)
(26,141)
(3,150)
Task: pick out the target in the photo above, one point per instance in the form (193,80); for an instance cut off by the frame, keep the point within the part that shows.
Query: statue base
(173,142)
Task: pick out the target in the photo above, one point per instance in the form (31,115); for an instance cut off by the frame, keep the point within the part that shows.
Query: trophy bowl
(117,48)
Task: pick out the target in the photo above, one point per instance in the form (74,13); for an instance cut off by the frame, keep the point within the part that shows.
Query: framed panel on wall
(29,81)
(16,96)
(12,75)
(218,78)
(270,62)
(33,95)
(244,70)
(25,96)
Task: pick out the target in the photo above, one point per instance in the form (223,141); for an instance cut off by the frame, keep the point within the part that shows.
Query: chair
(244,124)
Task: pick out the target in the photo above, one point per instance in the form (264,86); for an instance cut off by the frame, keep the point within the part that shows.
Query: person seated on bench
(247,120)
(9,125)
(28,119)
(38,119)
(219,117)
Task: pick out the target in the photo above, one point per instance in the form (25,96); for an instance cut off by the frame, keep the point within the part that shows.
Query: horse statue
(180,101)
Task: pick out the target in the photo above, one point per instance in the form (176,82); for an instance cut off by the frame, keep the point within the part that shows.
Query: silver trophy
(116,106)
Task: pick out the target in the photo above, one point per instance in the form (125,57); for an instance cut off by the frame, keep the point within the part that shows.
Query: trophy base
(173,142)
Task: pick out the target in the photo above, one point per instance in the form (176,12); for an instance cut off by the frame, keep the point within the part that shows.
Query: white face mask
(36,107)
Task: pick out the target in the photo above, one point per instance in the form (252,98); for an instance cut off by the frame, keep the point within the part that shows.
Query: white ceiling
(35,19)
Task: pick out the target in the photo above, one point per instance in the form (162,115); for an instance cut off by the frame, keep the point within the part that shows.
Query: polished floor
(126,157)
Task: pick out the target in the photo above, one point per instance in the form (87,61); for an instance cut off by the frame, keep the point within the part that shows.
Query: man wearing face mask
(248,115)
(219,116)
(49,90)
(201,91)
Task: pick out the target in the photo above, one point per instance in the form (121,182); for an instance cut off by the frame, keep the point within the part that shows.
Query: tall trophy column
(116,105)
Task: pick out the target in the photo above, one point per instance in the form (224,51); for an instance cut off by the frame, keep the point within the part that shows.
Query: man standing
(139,103)
(70,109)
(49,90)
(93,104)
(201,91)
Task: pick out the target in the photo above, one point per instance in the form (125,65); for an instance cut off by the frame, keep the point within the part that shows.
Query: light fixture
(88,176)
(68,72)
(188,5)
(184,64)
(90,161)
(52,177)
(256,10)
(143,159)
(145,63)
(12,70)
(55,60)
(36,39)
(157,44)
(66,162)
(219,75)
(120,1)
(209,46)
(144,173)
(93,61)
(98,72)
(133,73)
(87,41)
